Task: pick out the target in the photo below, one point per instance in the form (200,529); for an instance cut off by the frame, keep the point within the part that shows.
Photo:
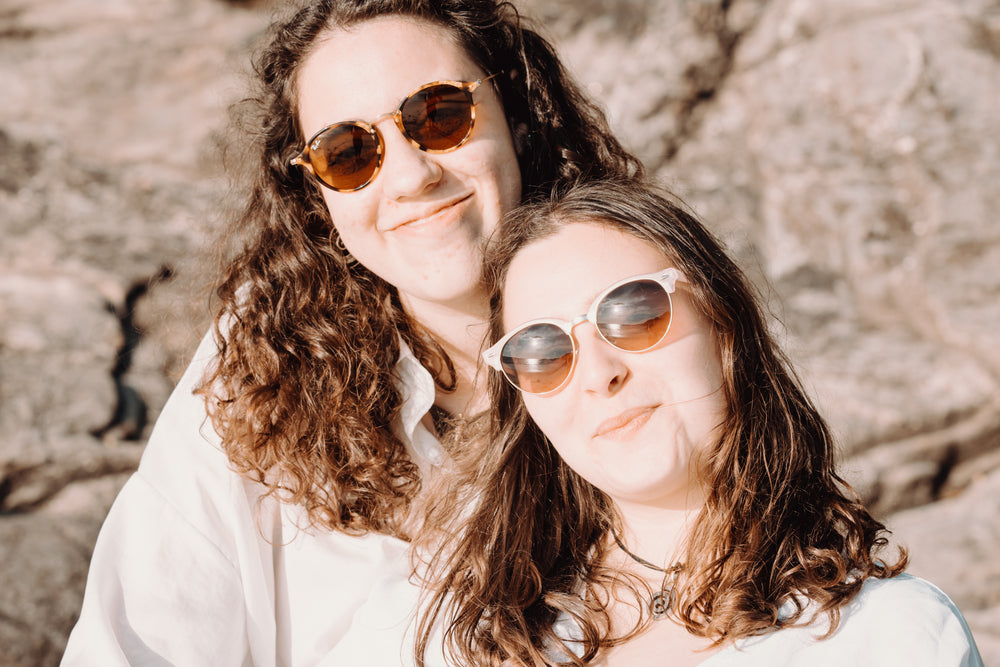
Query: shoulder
(911,619)
(184,477)
(901,590)
(906,620)
(904,600)
(900,621)
(183,448)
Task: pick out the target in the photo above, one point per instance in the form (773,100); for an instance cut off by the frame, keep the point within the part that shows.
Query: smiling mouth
(441,214)
(622,426)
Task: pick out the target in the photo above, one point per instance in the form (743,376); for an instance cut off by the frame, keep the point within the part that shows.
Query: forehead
(365,70)
(560,275)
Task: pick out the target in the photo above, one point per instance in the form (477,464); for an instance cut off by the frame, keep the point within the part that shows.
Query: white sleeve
(177,559)
(158,592)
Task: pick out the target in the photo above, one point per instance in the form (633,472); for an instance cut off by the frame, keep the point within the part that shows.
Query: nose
(602,369)
(407,171)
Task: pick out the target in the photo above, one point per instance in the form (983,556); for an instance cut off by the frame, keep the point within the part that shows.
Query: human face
(421,223)
(629,423)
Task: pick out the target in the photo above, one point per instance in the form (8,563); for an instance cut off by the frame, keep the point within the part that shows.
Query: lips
(428,215)
(624,424)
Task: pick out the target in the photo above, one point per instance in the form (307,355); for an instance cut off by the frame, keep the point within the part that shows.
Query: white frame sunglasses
(666,278)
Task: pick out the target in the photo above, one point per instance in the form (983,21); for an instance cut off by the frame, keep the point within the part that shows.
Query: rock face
(108,184)
(846,151)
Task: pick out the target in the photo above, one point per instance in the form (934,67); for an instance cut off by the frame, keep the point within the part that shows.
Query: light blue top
(900,621)
(903,621)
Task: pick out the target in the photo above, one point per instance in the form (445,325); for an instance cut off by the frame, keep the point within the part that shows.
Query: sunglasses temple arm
(475,84)
(302,160)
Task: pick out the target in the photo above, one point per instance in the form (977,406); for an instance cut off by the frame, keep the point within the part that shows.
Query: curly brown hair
(303,393)
(778,522)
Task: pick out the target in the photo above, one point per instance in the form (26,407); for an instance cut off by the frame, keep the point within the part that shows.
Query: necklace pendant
(661,603)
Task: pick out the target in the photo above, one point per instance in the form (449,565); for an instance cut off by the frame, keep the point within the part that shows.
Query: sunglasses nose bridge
(595,330)
(580,319)
(571,327)
(397,120)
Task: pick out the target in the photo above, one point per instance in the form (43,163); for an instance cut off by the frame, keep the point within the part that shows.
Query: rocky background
(847,150)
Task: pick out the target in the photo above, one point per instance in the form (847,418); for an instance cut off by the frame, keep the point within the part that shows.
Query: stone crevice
(706,78)
(26,485)
(129,418)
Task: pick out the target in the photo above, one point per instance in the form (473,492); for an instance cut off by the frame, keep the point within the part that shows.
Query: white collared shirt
(194,566)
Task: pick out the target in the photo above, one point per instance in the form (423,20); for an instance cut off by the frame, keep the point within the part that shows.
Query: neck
(657,534)
(459,328)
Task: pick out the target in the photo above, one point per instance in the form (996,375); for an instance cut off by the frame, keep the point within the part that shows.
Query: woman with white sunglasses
(381,144)
(657,488)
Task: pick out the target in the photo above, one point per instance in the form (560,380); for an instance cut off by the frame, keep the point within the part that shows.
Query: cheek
(511,195)
(512,169)
(693,364)
(508,170)
(496,160)
(498,178)
(556,420)
(706,375)
(351,212)
(547,413)
(335,208)
(508,188)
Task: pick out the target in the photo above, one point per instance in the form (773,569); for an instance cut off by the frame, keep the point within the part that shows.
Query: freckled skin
(422,222)
(662,405)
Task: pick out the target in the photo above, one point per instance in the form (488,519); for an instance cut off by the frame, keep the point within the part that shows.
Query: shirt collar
(416,387)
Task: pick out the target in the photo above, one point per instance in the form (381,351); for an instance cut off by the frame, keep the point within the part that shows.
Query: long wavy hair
(303,394)
(778,525)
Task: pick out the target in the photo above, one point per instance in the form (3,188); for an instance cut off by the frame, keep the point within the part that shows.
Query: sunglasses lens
(345,156)
(538,358)
(635,316)
(439,118)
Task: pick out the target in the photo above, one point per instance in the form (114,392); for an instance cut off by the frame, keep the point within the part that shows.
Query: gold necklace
(663,600)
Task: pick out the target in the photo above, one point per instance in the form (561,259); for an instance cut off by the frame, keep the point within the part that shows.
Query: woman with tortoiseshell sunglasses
(381,144)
